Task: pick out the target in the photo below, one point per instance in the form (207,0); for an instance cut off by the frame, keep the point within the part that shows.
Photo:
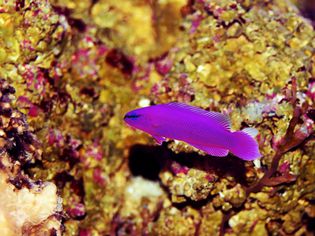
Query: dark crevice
(197,205)
(148,161)
(62,178)
(117,59)
(310,222)
(73,22)
(307,8)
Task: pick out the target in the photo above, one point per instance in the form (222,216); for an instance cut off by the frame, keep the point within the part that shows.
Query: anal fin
(213,151)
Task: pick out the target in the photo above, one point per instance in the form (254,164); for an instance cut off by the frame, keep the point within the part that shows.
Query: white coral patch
(23,207)
(137,189)
(254,111)
(257,163)
(140,187)
(144,102)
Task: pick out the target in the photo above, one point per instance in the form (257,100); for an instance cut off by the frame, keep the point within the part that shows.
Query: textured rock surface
(78,66)
(26,206)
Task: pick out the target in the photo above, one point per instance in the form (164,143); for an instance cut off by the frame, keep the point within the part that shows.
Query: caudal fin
(244,145)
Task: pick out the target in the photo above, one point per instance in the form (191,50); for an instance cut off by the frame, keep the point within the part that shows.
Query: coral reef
(76,67)
(26,207)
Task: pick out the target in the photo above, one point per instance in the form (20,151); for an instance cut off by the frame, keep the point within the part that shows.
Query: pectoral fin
(213,151)
(159,139)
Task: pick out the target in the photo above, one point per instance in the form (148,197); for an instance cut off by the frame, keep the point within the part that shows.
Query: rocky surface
(71,69)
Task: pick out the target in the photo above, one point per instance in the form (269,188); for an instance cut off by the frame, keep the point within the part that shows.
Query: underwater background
(70,70)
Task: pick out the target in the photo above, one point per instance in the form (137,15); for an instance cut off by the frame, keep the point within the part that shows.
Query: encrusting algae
(70,71)
(27,207)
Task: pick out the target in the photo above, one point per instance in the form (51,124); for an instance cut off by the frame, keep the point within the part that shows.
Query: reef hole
(147,161)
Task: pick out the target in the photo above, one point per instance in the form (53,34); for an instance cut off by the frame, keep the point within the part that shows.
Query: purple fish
(206,130)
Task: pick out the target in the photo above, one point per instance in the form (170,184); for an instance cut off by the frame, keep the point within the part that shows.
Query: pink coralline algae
(85,232)
(179,169)
(98,177)
(311,90)
(35,78)
(27,45)
(33,110)
(84,63)
(94,151)
(195,23)
(77,210)
(55,137)
(284,167)
(164,65)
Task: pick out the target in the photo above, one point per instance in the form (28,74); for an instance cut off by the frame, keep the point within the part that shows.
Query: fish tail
(245,145)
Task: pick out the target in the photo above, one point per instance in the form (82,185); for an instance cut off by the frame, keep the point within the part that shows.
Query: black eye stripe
(132,116)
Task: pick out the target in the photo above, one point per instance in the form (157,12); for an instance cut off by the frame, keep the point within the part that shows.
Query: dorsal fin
(222,120)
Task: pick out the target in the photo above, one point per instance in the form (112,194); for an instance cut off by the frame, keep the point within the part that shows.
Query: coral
(253,62)
(27,206)
(24,209)
(211,220)
(195,184)
(76,67)
(175,222)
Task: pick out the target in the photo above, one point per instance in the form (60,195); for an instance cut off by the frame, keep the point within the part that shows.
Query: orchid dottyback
(205,130)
